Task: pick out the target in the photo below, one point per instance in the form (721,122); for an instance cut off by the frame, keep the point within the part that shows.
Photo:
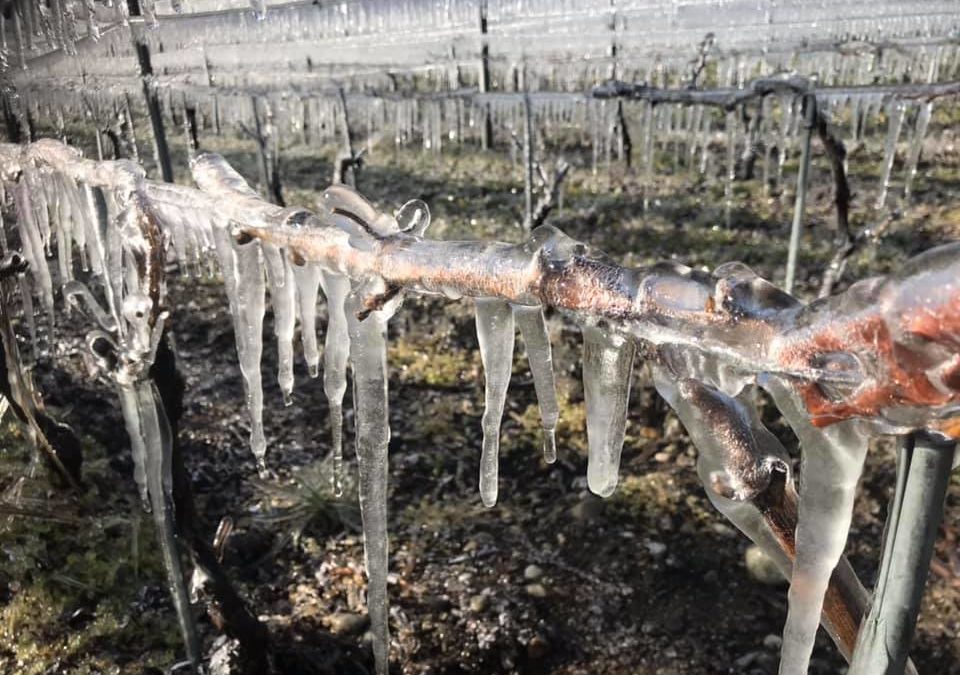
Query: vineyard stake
(809,118)
(150,93)
(924,464)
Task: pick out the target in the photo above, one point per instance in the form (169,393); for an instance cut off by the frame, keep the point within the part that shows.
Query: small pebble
(346,623)
(536,590)
(532,572)
(656,548)
(762,568)
(537,648)
(478,603)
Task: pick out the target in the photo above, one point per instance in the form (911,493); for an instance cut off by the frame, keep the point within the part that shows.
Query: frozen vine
(870,360)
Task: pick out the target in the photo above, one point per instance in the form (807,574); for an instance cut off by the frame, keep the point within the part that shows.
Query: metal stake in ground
(809,118)
(923,473)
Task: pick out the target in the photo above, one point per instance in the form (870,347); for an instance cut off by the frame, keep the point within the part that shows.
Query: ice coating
(722,427)
(157,439)
(883,352)
(607,375)
(536,339)
(495,332)
(130,406)
(832,461)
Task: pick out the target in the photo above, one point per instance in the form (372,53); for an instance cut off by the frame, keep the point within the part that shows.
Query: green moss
(433,362)
(71,588)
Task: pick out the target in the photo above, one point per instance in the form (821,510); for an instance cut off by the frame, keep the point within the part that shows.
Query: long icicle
(607,373)
(283,300)
(495,332)
(149,429)
(244,282)
(307,278)
(536,338)
(368,358)
(335,352)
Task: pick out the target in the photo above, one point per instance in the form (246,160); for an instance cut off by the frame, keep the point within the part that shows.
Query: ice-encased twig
(495,332)
(831,464)
(368,359)
(536,339)
(769,516)
(607,375)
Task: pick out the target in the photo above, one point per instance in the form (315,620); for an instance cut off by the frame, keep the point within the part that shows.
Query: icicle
(335,352)
(32,245)
(495,332)
(129,405)
(831,464)
(307,278)
(895,110)
(149,10)
(607,372)
(283,300)
(244,282)
(536,338)
(648,159)
(730,175)
(368,357)
(916,146)
(149,422)
(93,28)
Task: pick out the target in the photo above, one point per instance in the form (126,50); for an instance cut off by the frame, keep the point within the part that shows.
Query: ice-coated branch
(872,352)
(881,356)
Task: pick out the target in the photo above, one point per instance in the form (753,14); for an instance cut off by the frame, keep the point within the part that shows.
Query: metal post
(149,92)
(527,163)
(924,464)
(809,120)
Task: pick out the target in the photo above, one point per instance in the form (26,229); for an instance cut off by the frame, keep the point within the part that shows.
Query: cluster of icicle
(108,265)
(713,339)
(695,139)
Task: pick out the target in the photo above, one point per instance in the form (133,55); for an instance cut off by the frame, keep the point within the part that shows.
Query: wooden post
(349,175)
(483,82)
(21,42)
(129,129)
(14,128)
(149,92)
(809,122)
(269,170)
